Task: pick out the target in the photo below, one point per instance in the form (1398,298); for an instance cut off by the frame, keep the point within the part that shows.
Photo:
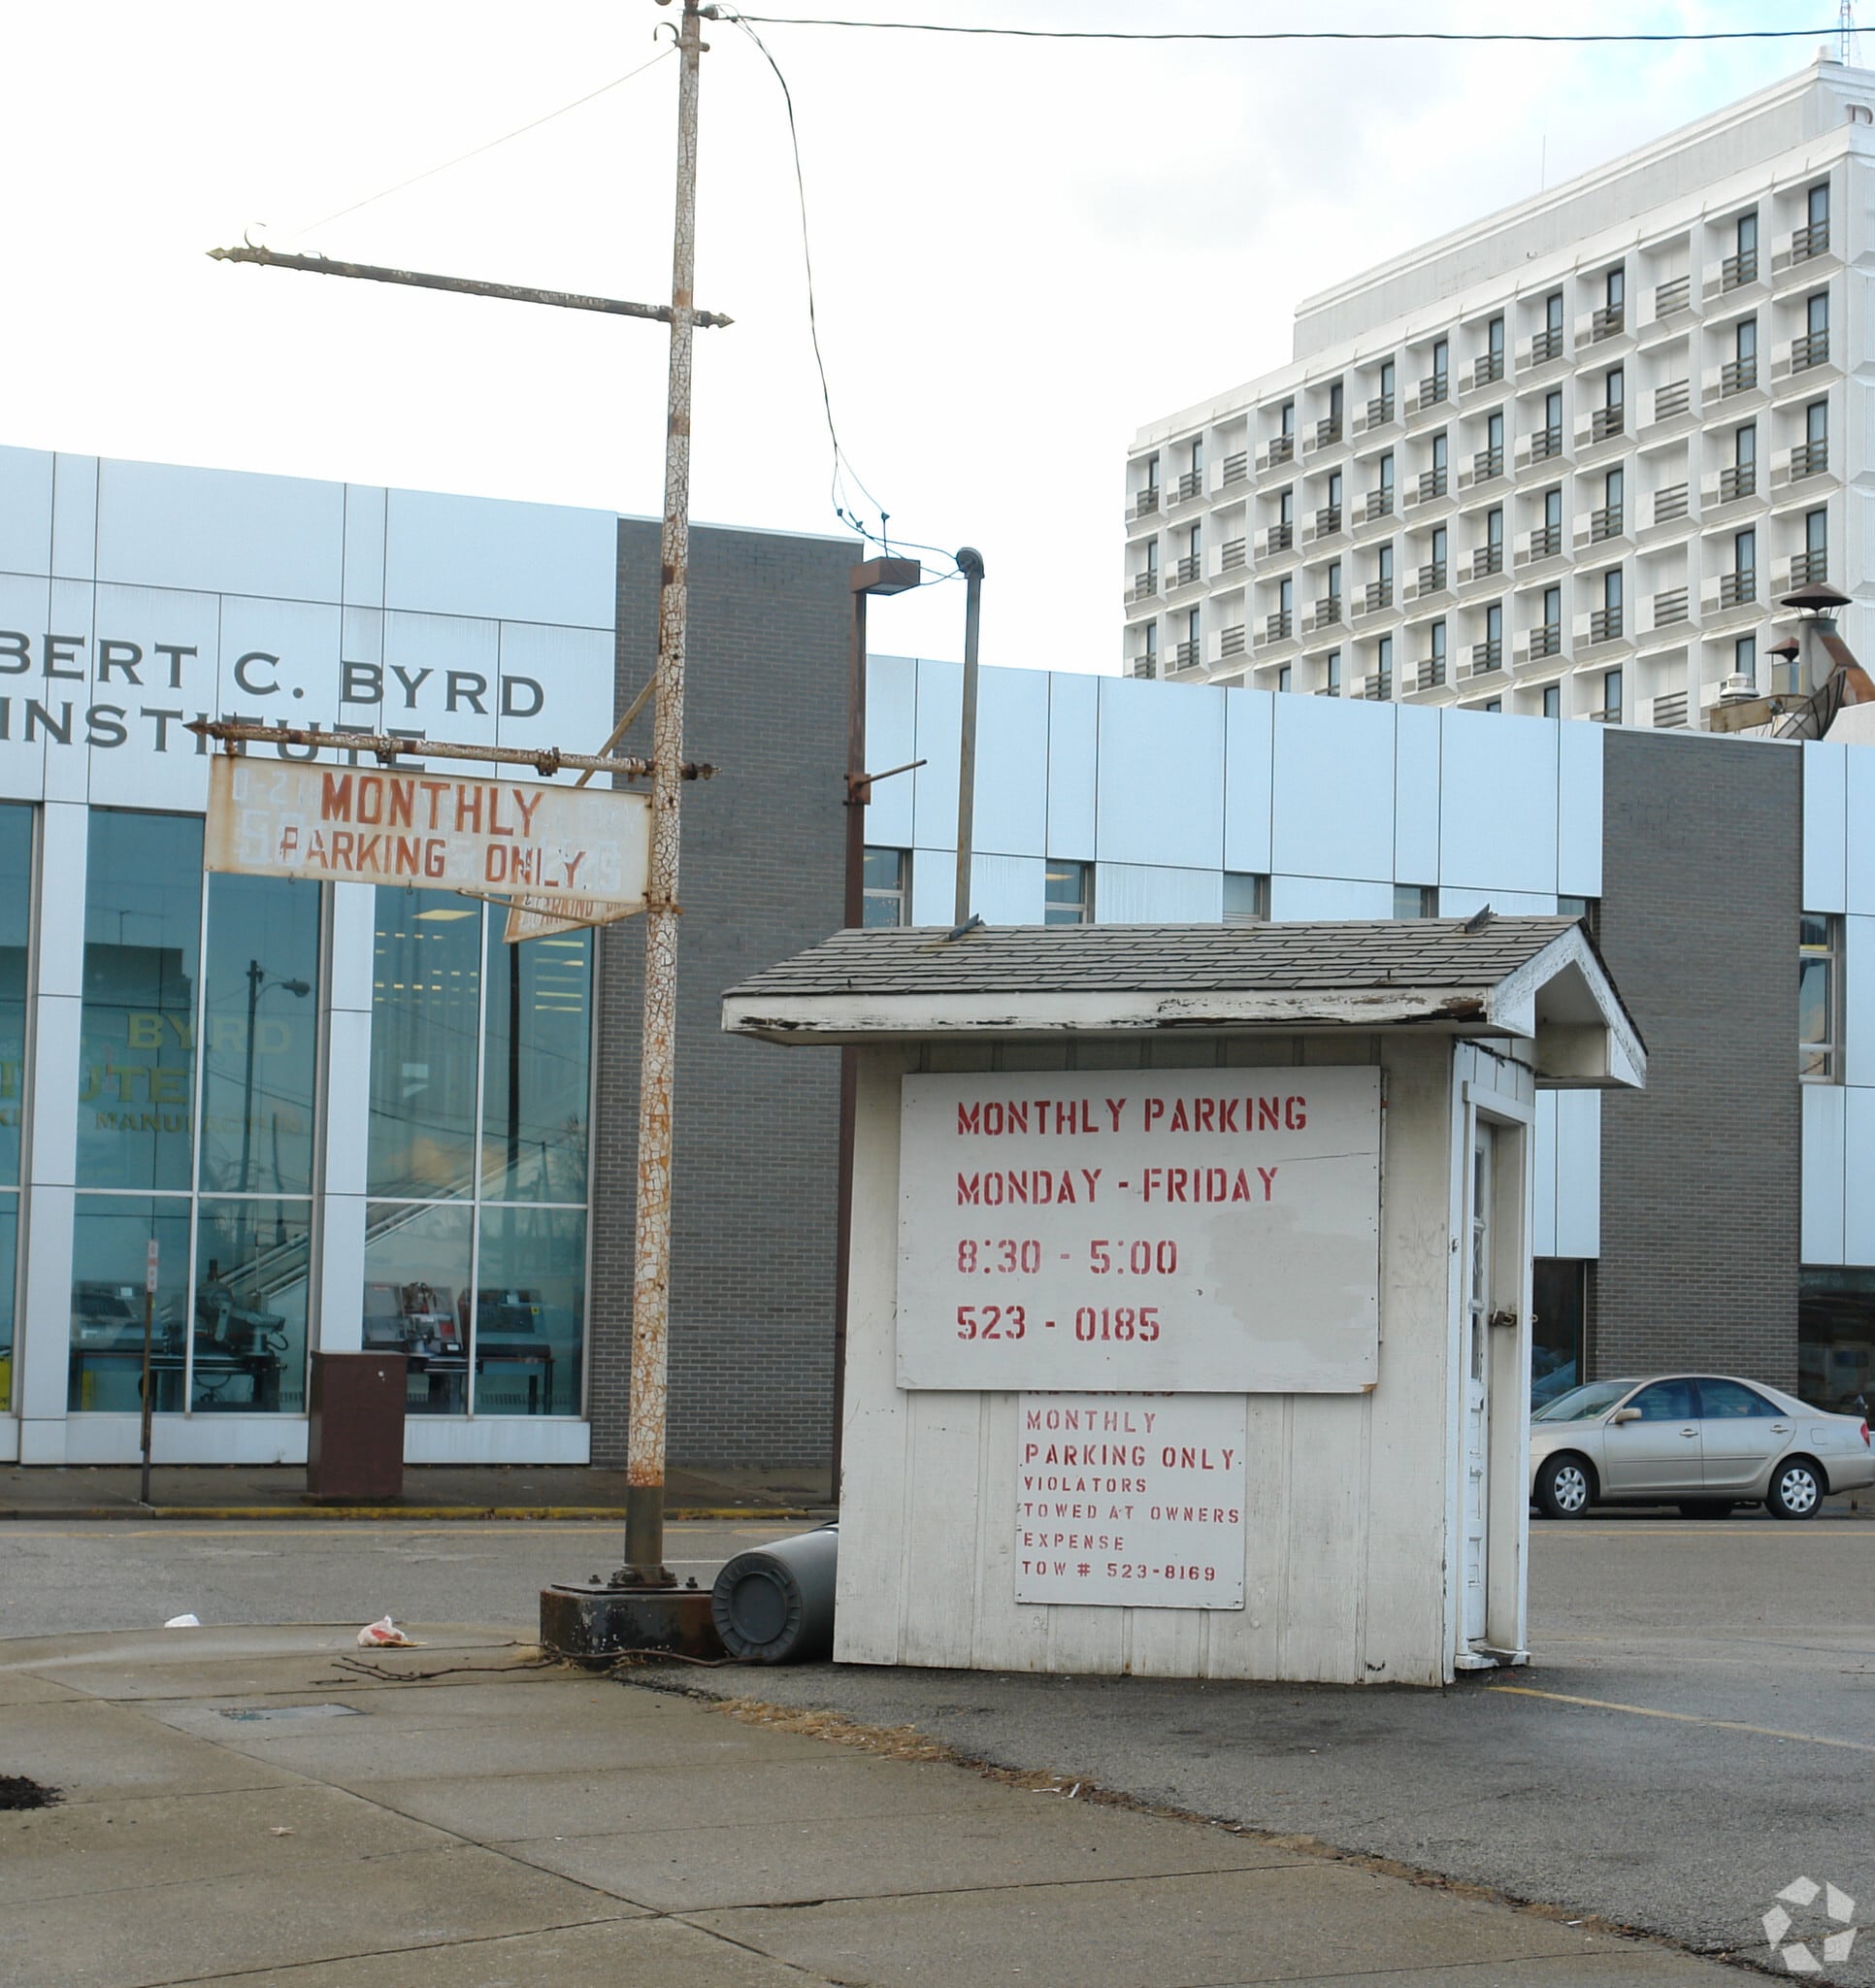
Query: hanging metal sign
(575,849)
(1206,1231)
(541,917)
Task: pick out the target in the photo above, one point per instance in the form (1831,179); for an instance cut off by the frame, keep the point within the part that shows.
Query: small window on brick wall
(888,874)
(1818,997)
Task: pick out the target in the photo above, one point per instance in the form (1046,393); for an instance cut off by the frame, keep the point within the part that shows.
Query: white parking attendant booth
(1189,1287)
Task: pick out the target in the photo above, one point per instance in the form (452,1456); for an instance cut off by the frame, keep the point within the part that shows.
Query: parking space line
(1645,1712)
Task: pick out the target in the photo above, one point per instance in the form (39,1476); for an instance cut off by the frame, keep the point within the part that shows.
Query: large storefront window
(16,924)
(1836,1340)
(208,1157)
(1557,1298)
(476,1240)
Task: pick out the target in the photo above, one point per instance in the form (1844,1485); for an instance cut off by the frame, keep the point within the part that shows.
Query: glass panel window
(1816,421)
(1744,446)
(1552,700)
(1616,289)
(884,877)
(1744,658)
(1616,388)
(416,1277)
(1556,1330)
(1817,313)
(1744,552)
(426,1026)
(251,1281)
(1745,339)
(1551,606)
(1246,898)
(1611,589)
(1553,407)
(1553,311)
(1335,669)
(1816,532)
(1747,235)
(1494,527)
(1819,204)
(16,924)
(137,1051)
(110,1238)
(261,1036)
(528,1333)
(1816,998)
(1495,429)
(1066,896)
(1552,508)
(535,1077)
(1416,901)
(1285,677)
(1494,622)
(1495,337)
(1836,1340)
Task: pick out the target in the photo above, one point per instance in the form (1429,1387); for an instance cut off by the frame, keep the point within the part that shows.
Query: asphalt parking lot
(1696,1732)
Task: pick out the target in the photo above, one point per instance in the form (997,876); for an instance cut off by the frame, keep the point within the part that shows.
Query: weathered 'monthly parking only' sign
(434,831)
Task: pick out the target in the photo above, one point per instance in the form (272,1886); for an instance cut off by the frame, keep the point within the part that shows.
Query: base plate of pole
(586,1622)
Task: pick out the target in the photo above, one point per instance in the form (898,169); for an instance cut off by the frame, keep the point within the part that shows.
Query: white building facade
(1563,462)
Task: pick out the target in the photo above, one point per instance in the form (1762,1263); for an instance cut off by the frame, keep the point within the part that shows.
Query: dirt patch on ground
(17,1792)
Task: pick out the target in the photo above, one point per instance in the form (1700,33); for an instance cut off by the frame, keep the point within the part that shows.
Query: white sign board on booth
(1131,1501)
(431,830)
(1202,1231)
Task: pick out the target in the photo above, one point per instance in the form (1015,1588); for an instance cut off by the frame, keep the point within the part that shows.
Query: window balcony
(1231,642)
(1672,401)
(1734,272)
(1431,578)
(1737,589)
(1806,459)
(1279,450)
(1670,608)
(1543,642)
(1378,596)
(1670,504)
(1604,625)
(1669,711)
(1379,504)
(1185,655)
(1486,656)
(1189,571)
(1144,586)
(1430,675)
(1234,552)
(1327,524)
(1805,245)
(1811,349)
(1377,686)
(1279,626)
(1327,431)
(1733,377)
(1433,392)
(1808,569)
(1732,485)
(1485,465)
(1146,501)
(1546,443)
(1485,562)
(1544,543)
(1608,322)
(1606,422)
(1191,484)
(1431,485)
(1328,612)
(1602,525)
(1276,538)
(1610,716)
(1237,468)
(1486,368)
(1673,296)
(1146,666)
(1379,413)
(1546,346)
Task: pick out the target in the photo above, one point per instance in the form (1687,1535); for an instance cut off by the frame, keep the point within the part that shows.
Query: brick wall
(1701,1172)
(756,1127)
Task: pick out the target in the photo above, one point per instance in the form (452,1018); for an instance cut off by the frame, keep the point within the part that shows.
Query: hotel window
(1816,313)
(1285,676)
(1068,894)
(1495,347)
(1246,898)
(1817,207)
(1149,648)
(16,924)
(1333,671)
(1495,434)
(1287,419)
(1286,507)
(1744,658)
(1816,425)
(1744,343)
(1494,633)
(209,1155)
(1494,536)
(1815,547)
(1553,417)
(1335,491)
(1744,563)
(1746,244)
(1552,700)
(1615,388)
(1416,901)
(1553,613)
(1384,664)
(1611,696)
(476,1158)
(884,879)
(1819,1001)
(1494,703)
(1387,376)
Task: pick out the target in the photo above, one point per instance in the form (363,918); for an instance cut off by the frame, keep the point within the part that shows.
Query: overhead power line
(1292,34)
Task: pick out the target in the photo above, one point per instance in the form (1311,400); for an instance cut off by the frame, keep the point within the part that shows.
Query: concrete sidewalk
(430,1491)
(239,1804)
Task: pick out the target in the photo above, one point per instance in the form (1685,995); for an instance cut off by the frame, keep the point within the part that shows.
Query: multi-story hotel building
(1563,462)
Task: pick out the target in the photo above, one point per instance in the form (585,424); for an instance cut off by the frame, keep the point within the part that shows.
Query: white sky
(1022,251)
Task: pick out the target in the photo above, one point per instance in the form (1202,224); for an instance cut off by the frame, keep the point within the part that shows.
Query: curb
(793,1514)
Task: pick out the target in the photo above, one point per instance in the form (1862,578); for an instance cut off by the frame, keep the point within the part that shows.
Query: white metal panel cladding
(1332,791)
(1131,1501)
(1825,830)
(1010,810)
(220,531)
(1498,805)
(1248,719)
(1073,743)
(26,510)
(891,740)
(1198,1231)
(1419,736)
(1161,791)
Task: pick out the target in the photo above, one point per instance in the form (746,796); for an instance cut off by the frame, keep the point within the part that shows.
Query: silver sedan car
(1703,1441)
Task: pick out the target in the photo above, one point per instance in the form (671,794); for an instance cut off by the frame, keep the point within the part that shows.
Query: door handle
(1780,1428)
(1693,1431)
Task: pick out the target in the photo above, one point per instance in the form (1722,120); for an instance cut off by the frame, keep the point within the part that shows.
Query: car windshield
(1581,1403)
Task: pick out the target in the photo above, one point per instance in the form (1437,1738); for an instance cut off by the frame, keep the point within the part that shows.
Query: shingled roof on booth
(1534,979)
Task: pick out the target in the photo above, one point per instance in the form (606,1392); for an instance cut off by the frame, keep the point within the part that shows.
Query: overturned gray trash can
(774,1604)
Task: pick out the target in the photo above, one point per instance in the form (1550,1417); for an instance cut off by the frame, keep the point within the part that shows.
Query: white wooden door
(1477,1386)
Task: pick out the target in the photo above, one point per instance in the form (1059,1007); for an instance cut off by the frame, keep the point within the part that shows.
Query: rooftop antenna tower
(1846,33)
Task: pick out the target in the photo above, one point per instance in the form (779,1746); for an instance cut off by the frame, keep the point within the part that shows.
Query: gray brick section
(756,1127)
(1700,1173)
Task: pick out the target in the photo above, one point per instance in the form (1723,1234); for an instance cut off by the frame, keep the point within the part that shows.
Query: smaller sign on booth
(1131,1501)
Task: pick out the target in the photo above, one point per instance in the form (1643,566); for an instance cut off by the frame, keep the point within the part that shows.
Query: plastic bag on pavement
(380,1634)
(183,1623)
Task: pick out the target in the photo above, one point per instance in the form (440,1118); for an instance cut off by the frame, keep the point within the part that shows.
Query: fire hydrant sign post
(1204,1232)
(584,852)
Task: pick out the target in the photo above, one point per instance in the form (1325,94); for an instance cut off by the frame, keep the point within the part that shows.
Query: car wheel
(1707,1508)
(1564,1487)
(1797,1489)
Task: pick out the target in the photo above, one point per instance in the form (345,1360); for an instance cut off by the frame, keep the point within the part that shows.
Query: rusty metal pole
(970,563)
(657,1062)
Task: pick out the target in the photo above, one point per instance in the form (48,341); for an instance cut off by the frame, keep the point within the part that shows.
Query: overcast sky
(1022,251)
